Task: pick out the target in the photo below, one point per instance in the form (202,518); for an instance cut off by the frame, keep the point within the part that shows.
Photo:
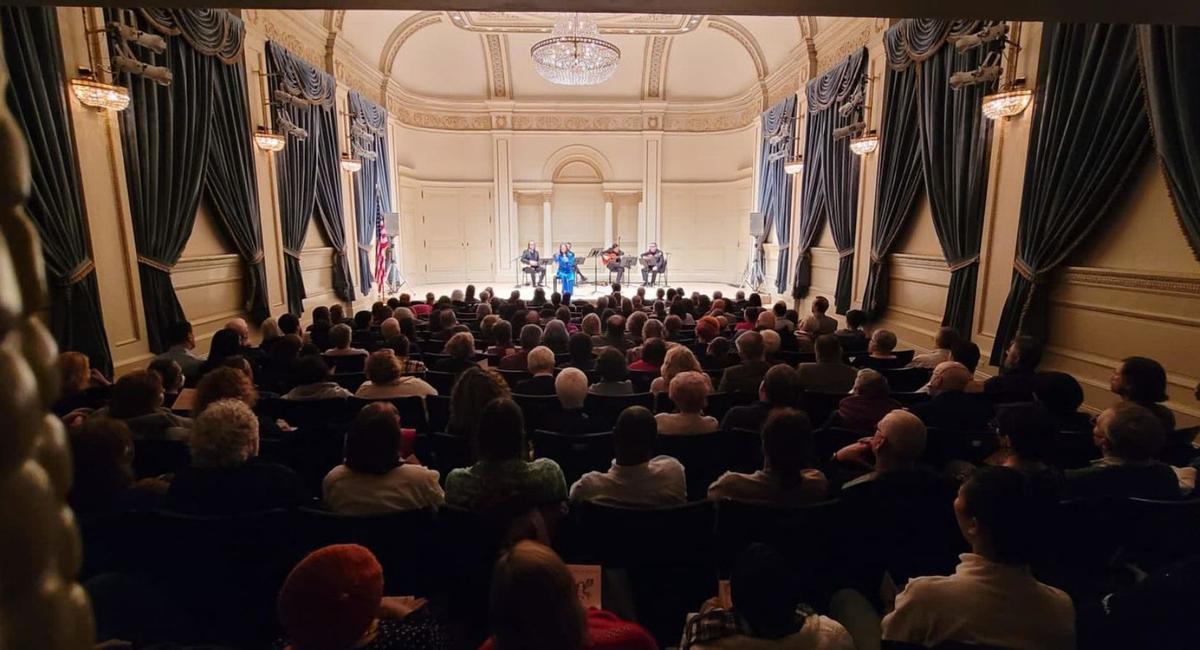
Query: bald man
(951,407)
(897,446)
(243,330)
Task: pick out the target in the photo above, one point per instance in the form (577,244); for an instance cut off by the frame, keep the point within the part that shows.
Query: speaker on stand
(758,232)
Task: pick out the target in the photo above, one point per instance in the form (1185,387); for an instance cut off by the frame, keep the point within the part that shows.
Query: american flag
(381,248)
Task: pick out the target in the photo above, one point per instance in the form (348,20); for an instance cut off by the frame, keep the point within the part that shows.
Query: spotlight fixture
(90,91)
(152,42)
(984,74)
(156,73)
(968,41)
(350,163)
(794,165)
(866,143)
(849,131)
(287,126)
(268,140)
(852,103)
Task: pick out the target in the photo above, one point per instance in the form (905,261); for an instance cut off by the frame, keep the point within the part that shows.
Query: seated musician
(653,263)
(578,272)
(531,260)
(612,259)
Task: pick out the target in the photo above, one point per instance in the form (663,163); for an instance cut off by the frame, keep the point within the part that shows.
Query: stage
(583,290)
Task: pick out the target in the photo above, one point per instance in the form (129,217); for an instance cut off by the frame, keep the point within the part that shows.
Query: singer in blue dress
(566,268)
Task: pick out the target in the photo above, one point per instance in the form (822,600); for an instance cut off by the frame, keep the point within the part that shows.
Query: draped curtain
(330,216)
(372,186)
(775,187)
(899,179)
(311,95)
(1088,131)
(1172,87)
(830,184)
(33,53)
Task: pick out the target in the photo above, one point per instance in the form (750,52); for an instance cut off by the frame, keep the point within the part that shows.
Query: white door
(457,238)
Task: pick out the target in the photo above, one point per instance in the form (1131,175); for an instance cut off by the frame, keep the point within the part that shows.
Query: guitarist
(612,259)
(531,260)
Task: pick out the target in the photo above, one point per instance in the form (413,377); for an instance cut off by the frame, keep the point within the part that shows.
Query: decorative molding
(400,35)
(833,45)
(909,260)
(540,23)
(578,153)
(568,121)
(1183,285)
(494,48)
(296,44)
(745,38)
(655,72)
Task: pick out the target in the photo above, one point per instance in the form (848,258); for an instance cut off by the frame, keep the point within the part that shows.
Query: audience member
(314,381)
(614,374)
(171,376)
(1128,436)
(333,600)
(534,606)
(828,374)
(771,345)
(780,389)
(137,401)
(473,389)
(747,376)
(943,343)
(1017,372)
(1027,432)
(277,370)
(340,337)
(828,325)
(225,343)
(880,351)
(531,337)
(460,351)
(502,344)
(866,405)
(689,392)
(224,383)
(852,337)
(787,477)
(678,360)
(401,347)
(580,349)
(389,328)
(555,336)
(614,333)
(269,329)
(103,480)
(290,324)
(637,478)
(653,353)
(719,355)
(1144,382)
(893,451)
(374,478)
(181,340)
(571,387)
(1062,396)
(950,407)
(541,366)
(502,477)
(386,379)
(80,385)
(225,477)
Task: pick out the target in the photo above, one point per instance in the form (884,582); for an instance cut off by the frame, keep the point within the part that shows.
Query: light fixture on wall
(1013,97)
(865,143)
(268,140)
(88,88)
(794,165)
(575,54)
(1009,102)
(350,163)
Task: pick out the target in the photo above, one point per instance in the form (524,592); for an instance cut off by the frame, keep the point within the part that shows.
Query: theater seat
(703,457)
(156,457)
(411,410)
(576,454)
(606,408)
(403,542)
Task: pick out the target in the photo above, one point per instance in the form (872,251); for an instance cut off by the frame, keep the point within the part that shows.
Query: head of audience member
(311,369)
(634,436)
(102,461)
(635,323)
(135,394)
(571,387)
(242,329)
(388,328)
(225,435)
(285,352)
(999,513)
(555,299)
(289,324)
(461,346)
(653,329)
(855,319)
(1141,380)
(446,319)
(590,325)
(750,346)
(719,348)
(337,313)
(1059,392)
(871,384)
(224,383)
(1029,430)
(383,368)
(828,349)
(180,335)
(402,314)
(362,321)
(540,361)
(754,300)
(533,604)
(781,387)
(626,307)
(765,320)
(949,377)
(502,334)
(75,373)
(750,315)
(966,353)
(654,352)
(340,337)
(393,303)
(171,374)
(882,343)
(430,298)
(764,592)
(1129,432)
(531,337)
(899,441)
(225,343)
(787,444)
(671,327)
(270,329)
(331,599)
(707,329)
(563,314)
(474,388)
(379,312)
(771,343)
(486,325)
(555,336)
(678,360)
(399,345)
(612,366)
(615,327)
(689,392)
(1023,355)
(580,347)
(469,294)
(946,338)
(820,305)
(373,441)
(503,438)
(539,294)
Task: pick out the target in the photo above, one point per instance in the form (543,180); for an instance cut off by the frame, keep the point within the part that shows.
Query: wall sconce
(268,140)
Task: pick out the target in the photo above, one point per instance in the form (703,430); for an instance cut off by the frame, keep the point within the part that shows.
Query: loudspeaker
(756,224)
(391,221)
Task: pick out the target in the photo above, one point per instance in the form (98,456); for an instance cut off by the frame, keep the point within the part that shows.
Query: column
(641,229)
(505,229)
(548,248)
(608,219)
(651,189)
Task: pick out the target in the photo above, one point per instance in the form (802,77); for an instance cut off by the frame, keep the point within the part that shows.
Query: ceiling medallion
(575,54)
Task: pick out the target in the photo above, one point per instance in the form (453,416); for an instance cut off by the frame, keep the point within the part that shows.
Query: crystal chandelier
(866,143)
(1010,102)
(90,91)
(350,163)
(268,140)
(575,55)
(794,166)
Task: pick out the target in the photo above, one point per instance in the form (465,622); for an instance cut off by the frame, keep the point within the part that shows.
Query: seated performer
(531,259)
(653,263)
(578,271)
(612,259)
(565,260)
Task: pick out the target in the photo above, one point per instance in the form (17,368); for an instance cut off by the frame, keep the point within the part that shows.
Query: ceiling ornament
(494,47)
(401,34)
(743,36)
(541,23)
(575,54)
(656,67)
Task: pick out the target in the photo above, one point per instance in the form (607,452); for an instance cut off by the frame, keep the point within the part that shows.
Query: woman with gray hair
(555,337)
(225,476)
(866,405)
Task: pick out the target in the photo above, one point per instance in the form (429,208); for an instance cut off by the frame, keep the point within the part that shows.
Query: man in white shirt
(637,478)
(945,340)
(992,599)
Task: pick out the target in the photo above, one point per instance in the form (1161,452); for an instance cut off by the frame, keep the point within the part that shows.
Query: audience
(653,353)
(401,347)
(555,336)
(828,374)
(571,387)
(531,337)
(580,349)
(386,379)
(339,338)
(460,349)
(225,477)
(1144,382)
(1027,432)
(80,385)
(1018,371)
(747,376)
(541,366)
(313,379)
(780,389)
(637,478)
(447,326)
(678,360)
(719,355)
(892,453)
(375,478)
(827,325)
(502,476)
(1128,436)
(852,337)
(170,375)
(787,477)
(473,389)
(943,343)
(103,479)
(181,340)
(880,351)
(866,405)
(614,374)
(951,407)
(137,401)
(689,392)
(1062,396)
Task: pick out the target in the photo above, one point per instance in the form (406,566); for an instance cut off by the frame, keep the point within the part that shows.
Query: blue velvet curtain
(775,187)
(311,94)
(829,189)
(36,97)
(372,187)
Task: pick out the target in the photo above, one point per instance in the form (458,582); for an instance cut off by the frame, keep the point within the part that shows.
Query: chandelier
(865,144)
(90,91)
(575,55)
(268,140)
(1011,101)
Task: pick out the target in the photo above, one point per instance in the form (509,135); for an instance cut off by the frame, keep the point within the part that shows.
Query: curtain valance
(914,40)
(838,83)
(299,78)
(212,32)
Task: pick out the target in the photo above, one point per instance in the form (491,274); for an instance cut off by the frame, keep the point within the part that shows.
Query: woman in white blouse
(385,379)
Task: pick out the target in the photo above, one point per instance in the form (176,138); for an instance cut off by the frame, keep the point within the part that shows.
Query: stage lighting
(981,75)
(969,41)
(849,130)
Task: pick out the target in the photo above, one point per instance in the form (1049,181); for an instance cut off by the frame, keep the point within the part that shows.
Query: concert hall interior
(382,323)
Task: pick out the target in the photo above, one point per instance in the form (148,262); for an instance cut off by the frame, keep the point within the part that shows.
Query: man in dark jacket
(1128,436)
(747,376)
(951,408)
